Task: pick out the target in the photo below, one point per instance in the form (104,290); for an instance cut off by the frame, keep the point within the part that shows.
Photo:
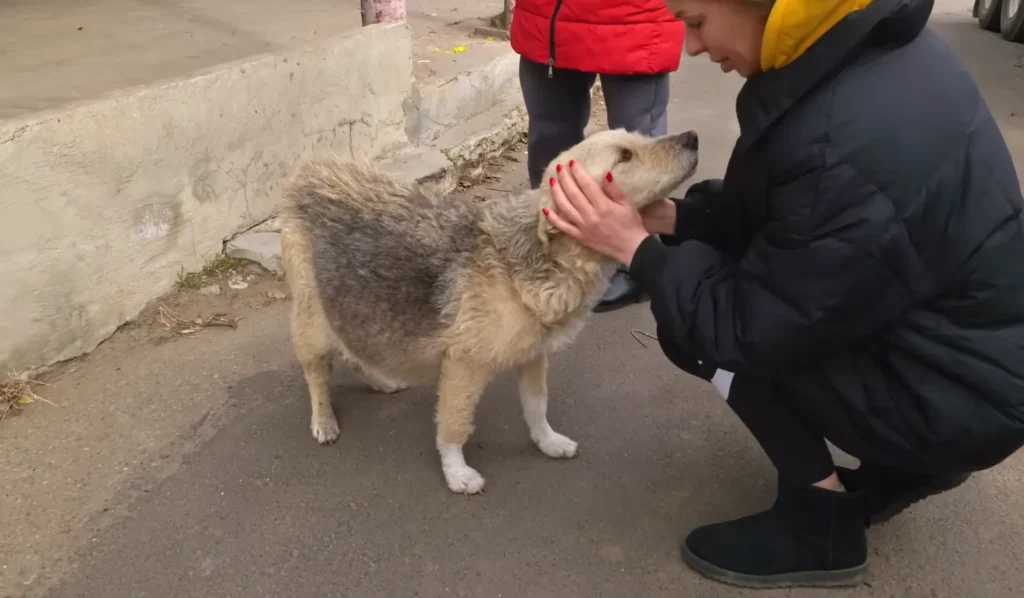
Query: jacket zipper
(551,41)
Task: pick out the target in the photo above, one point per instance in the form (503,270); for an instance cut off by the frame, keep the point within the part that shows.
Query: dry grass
(179,325)
(215,271)
(16,392)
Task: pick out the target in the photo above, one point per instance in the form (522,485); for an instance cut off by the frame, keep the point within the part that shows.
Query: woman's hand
(602,219)
(659,218)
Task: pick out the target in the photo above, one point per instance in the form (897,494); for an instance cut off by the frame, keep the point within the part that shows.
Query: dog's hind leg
(315,343)
(459,390)
(315,347)
(533,394)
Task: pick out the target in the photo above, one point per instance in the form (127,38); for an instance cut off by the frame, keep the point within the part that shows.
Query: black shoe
(622,291)
(889,492)
(810,537)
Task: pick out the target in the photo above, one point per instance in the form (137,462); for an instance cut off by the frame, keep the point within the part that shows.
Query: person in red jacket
(563,46)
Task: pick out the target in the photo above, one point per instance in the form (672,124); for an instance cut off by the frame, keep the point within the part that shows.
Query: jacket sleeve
(696,217)
(832,266)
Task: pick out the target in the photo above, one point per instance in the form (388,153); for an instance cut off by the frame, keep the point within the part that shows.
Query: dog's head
(645,168)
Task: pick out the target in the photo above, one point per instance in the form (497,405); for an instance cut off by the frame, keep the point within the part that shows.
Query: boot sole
(912,498)
(818,579)
(602,308)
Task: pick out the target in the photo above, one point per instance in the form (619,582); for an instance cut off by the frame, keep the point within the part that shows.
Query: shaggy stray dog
(411,288)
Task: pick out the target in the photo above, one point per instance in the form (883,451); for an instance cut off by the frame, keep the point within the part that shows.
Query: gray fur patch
(381,254)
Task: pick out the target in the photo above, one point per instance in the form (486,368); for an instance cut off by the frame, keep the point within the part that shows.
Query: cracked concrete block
(416,165)
(490,135)
(263,248)
(105,202)
(469,93)
(441,163)
(271,225)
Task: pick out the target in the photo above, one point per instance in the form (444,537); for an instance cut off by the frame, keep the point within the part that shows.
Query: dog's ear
(545,230)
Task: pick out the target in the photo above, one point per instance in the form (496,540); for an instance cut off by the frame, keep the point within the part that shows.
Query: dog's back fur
(408,286)
(403,270)
(382,254)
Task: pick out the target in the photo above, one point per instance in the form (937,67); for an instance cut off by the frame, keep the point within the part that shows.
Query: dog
(410,287)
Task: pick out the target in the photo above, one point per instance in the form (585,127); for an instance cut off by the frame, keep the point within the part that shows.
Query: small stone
(237,283)
(264,248)
(276,294)
(213,289)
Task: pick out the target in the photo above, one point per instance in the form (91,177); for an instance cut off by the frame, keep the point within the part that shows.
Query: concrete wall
(102,204)
(449,102)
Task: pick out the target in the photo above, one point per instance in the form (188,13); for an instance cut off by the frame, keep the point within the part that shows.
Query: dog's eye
(625,155)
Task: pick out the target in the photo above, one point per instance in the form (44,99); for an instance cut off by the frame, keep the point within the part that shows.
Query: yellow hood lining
(794,25)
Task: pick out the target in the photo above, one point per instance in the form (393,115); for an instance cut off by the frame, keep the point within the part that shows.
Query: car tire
(989,14)
(1011,20)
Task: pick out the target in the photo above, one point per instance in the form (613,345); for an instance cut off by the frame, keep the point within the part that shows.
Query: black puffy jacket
(864,252)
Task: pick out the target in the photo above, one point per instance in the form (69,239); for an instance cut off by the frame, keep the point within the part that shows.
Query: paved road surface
(187,469)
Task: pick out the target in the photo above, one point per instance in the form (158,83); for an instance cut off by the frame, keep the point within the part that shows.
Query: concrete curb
(461,149)
(106,202)
(441,106)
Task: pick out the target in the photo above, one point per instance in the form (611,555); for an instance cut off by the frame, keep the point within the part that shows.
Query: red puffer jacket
(599,36)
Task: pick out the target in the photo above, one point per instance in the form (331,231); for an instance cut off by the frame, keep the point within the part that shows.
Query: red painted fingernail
(558,168)
(546,212)
(552,181)
(608,177)
(572,163)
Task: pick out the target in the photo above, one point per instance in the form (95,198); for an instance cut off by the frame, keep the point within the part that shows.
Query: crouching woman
(855,275)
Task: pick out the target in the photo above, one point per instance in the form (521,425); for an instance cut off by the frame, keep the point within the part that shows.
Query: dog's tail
(321,183)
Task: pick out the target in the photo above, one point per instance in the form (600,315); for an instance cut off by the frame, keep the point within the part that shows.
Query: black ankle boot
(810,537)
(622,291)
(888,492)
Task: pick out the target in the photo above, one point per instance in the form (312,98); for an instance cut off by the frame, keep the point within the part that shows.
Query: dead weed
(179,325)
(217,270)
(16,392)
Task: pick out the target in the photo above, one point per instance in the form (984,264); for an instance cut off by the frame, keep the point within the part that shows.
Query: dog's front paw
(325,430)
(557,446)
(464,480)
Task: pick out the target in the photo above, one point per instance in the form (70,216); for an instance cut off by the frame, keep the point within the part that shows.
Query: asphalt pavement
(231,496)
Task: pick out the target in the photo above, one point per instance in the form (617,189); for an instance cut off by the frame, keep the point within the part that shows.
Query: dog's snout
(689,140)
